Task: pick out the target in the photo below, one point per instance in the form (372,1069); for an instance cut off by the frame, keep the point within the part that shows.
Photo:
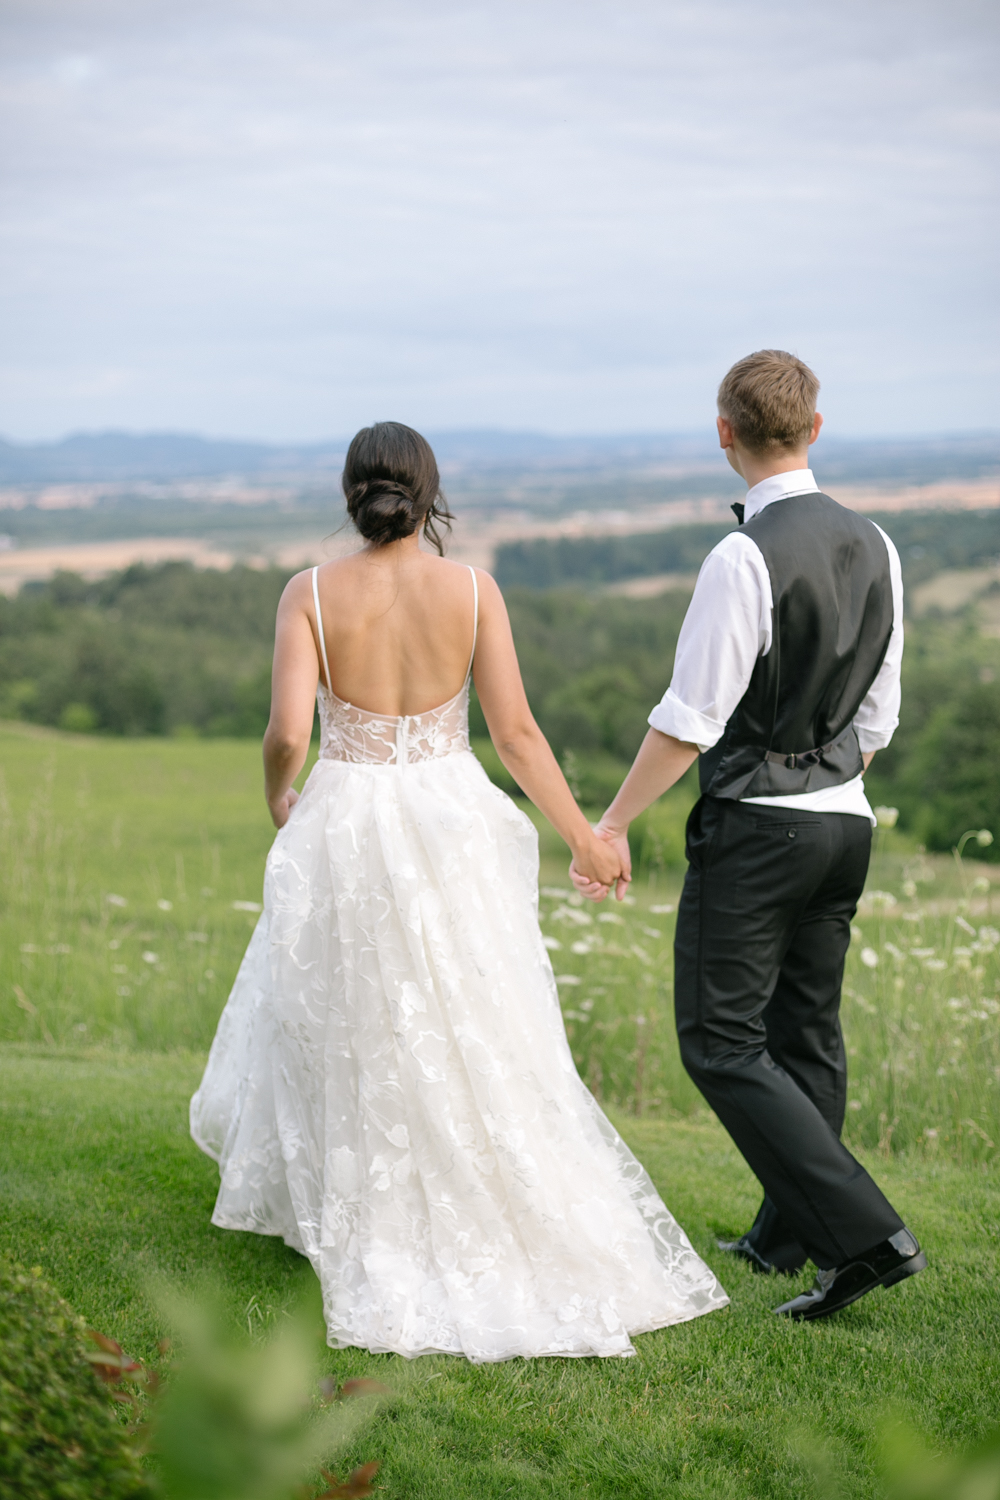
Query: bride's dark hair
(392,486)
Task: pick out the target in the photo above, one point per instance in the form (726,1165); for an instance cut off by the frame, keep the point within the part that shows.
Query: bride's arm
(520,743)
(294,676)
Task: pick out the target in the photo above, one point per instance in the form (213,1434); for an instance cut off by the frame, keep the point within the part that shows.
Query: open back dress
(391,1090)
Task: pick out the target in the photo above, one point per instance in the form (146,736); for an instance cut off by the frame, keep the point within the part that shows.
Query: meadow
(130,879)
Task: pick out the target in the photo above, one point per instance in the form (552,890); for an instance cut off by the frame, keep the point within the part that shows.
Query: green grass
(113,849)
(101,1186)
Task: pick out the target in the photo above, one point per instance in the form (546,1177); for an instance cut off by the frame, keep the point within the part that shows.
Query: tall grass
(921,1008)
(128,873)
(120,863)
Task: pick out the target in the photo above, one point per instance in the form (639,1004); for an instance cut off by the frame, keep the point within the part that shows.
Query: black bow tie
(737,509)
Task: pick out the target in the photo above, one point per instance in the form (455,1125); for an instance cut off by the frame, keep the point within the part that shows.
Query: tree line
(171,650)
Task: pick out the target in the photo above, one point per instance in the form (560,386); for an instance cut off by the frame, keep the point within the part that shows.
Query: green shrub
(59,1438)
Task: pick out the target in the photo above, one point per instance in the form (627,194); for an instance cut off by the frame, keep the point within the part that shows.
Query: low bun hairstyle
(392,486)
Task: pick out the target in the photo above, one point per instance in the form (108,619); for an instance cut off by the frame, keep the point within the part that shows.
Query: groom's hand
(593,889)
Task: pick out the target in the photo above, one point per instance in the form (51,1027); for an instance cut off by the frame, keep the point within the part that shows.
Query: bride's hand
(592,878)
(597,867)
(283,806)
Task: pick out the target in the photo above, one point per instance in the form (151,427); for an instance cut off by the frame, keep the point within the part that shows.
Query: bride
(390,1088)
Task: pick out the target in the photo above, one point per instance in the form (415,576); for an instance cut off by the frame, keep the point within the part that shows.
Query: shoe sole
(909,1267)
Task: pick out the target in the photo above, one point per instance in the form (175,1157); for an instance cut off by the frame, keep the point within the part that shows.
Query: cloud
(283,220)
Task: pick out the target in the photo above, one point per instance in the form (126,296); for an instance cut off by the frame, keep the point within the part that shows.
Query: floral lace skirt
(391,1090)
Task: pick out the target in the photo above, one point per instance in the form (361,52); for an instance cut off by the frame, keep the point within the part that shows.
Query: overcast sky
(282,220)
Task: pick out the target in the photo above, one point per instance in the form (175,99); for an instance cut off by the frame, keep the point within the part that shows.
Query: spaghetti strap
(475,619)
(320,632)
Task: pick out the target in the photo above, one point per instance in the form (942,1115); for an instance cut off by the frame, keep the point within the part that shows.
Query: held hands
(282,807)
(605,862)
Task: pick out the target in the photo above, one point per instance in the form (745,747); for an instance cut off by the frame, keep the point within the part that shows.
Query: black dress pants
(762,932)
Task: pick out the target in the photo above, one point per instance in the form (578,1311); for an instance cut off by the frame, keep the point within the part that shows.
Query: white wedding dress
(391,1089)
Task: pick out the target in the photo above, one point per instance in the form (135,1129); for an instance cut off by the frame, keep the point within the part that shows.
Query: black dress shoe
(894,1259)
(743,1249)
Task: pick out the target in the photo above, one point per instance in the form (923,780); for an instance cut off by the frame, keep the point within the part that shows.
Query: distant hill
(106,457)
(110,457)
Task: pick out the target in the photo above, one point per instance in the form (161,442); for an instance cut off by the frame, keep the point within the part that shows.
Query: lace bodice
(349,733)
(355,734)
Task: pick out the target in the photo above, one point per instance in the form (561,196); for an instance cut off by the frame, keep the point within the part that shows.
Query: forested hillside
(169,650)
(927,541)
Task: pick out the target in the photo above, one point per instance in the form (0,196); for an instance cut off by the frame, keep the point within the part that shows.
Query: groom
(785,683)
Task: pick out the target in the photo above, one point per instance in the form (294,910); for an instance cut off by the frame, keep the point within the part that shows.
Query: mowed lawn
(101,1186)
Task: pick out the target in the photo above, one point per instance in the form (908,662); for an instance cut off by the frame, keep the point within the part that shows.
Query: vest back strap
(802,758)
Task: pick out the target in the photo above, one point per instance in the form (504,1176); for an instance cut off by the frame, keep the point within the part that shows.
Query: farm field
(130,877)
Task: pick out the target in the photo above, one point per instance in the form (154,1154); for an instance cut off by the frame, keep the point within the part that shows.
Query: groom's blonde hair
(769,400)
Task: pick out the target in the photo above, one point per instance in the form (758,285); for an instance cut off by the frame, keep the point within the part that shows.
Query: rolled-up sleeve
(726,628)
(878,717)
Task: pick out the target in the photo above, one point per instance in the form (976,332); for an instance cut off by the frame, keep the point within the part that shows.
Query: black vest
(831,619)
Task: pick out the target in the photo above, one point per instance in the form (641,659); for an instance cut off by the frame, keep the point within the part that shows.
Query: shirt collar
(776,487)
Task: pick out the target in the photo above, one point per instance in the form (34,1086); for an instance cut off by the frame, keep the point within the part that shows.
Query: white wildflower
(580,948)
(984,838)
(854,1103)
(164,904)
(611,916)
(552,943)
(965,926)
(661,911)
(571,914)
(246,906)
(887,816)
(568,979)
(116,900)
(653,932)
(150,958)
(909,889)
(869,958)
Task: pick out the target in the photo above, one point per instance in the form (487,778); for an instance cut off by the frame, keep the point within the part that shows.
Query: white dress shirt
(726,628)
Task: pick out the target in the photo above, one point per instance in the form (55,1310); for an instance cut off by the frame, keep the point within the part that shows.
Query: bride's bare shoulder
(297,590)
